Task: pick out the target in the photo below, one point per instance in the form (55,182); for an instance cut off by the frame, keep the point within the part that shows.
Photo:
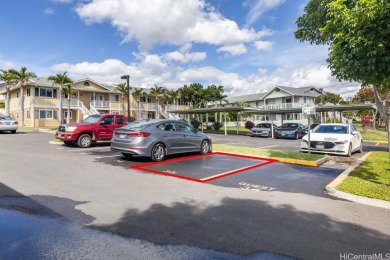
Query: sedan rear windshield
(264,126)
(289,126)
(137,126)
(5,118)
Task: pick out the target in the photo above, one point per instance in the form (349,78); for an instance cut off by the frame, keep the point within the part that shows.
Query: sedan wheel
(361,148)
(158,153)
(84,141)
(205,147)
(350,150)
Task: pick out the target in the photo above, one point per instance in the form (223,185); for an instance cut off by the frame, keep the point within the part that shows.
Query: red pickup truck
(94,128)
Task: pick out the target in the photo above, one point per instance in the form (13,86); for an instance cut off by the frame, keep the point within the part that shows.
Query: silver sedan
(158,138)
(7,123)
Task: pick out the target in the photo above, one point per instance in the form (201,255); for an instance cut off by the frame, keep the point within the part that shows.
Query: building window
(28,92)
(142,99)
(17,94)
(86,83)
(288,100)
(66,114)
(115,98)
(45,114)
(144,115)
(45,92)
(28,115)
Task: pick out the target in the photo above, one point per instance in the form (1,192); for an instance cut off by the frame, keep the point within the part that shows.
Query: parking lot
(231,203)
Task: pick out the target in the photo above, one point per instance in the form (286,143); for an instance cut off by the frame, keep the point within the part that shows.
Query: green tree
(8,78)
(122,88)
(358,33)
(137,93)
(68,91)
(22,77)
(157,92)
(60,80)
(328,97)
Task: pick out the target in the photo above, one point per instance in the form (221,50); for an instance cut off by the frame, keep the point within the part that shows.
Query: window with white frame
(28,92)
(115,98)
(45,114)
(144,115)
(45,92)
(28,114)
(142,99)
(66,114)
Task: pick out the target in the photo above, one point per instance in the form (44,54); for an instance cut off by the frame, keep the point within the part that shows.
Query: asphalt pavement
(267,209)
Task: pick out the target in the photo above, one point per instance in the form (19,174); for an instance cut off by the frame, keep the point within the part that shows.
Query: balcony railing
(281,106)
(100,104)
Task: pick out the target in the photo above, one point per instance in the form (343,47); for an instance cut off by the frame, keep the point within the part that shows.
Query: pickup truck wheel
(158,153)
(84,141)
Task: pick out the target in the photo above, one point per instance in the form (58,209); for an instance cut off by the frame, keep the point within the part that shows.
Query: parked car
(158,138)
(7,123)
(263,129)
(311,127)
(341,139)
(99,127)
(290,130)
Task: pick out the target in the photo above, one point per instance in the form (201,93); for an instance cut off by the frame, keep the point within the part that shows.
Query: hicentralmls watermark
(374,256)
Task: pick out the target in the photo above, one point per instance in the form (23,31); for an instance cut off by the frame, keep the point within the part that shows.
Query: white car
(8,124)
(341,139)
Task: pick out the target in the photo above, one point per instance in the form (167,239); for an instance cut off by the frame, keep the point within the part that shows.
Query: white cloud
(167,22)
(258,7)
(263,45)
(233,49)
(185,57)
(48,11)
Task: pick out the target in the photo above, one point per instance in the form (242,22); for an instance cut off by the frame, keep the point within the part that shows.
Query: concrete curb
(331,188)
(303,162)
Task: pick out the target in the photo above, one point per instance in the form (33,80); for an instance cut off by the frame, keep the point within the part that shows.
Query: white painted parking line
(236,143)
(107,156)
(268,146)
(88,149)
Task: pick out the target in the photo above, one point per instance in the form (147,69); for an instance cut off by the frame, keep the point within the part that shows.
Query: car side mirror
(355,132)
(195,130)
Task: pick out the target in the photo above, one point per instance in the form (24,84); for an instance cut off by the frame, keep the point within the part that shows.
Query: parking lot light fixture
(127,77)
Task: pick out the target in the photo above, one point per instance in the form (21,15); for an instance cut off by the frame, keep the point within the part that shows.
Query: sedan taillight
(16,122)
(138,134)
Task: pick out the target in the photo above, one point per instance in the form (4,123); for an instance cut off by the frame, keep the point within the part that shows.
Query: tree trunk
(68,115)
(384,112)
(7,111)
(21,105)
(60,119)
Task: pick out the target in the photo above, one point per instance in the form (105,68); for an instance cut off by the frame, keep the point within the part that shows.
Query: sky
(247,46)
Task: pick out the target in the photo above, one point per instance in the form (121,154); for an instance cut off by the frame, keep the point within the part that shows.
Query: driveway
(234,214)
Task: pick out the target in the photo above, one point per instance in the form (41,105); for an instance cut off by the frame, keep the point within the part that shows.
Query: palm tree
(61,80)
(8,78)
(22,77)
(122,88)
(69,91)
(138,92)
(157,92)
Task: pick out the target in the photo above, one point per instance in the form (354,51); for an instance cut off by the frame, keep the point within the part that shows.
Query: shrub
(249,124)
(195,123)
(217,125)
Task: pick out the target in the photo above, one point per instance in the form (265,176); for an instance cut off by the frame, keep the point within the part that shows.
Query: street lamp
(127,77)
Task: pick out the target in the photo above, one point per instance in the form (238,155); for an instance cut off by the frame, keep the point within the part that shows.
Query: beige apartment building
(42,102)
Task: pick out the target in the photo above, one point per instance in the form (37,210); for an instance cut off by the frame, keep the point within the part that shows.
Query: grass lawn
(371,178)
(266,152)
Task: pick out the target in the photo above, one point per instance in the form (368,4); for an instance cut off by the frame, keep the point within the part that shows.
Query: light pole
(127,77)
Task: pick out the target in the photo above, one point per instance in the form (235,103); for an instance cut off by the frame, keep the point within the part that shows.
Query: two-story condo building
(42,101)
